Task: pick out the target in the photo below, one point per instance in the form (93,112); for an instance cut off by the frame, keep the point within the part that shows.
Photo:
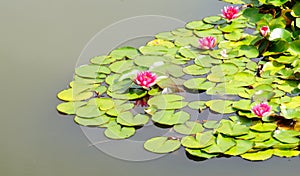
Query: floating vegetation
(249,53)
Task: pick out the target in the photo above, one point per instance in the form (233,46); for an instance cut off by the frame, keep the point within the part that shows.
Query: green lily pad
(131,94)
(96,121)
(201,140)
(244,105)
(115,131)
(286,153)
(168,117)
(220,106)
(126,118)
(121,66)
(221,145)
(241,147)
(147,61)
(195,70)
(165,36)
(228,128)
(162,145)
(70,95)
(264,127)
(280,33)
(187,52)
(211,124)
(198,84)
(214,20)
(167,101)
(287,136)
(258,156)
(200,153)
(197,105)
(89,111)
(122,52)
(226,69)
(102,60)
(91,71)
(69,107)
(198,25)
(188,128)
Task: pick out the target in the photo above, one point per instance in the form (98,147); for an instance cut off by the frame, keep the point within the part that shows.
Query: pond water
(41,41)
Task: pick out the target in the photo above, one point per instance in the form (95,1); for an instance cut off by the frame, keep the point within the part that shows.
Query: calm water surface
(40,44)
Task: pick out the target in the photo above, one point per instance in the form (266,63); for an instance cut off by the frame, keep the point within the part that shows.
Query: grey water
(40,43)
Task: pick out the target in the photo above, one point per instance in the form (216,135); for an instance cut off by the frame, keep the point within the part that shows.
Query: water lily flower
(261,110)
(230,12)
(145,79)
(208,42)
(264,31)
(224,53)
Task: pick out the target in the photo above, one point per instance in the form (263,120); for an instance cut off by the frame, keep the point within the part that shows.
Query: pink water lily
(230,12)
(208,42)
(261,110)
(145,79)
(264,31)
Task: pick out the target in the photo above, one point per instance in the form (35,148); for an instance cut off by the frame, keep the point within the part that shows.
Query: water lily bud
(261,110)
(264,31)
(145,79)
(208,42)
(230,12)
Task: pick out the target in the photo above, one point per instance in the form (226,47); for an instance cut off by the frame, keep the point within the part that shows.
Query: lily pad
(69,107)
(188,128)
(167,101)
(287,136)
(258,156)
(168,117)
(122,52)
(220,106)
(201,140)
(162,145)
(241,147)
(128,119)
(115,131)
(96,121)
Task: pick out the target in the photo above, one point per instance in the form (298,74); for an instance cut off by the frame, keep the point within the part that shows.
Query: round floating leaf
(69,107)
(104,103)
(195,70)
(126,118)
(287,136)
(241,147)
(89,111)
(244,79)
(148,61)
(200,153)
(197,105)
(220,106)
(201,140)
(230,129)
(182,32)
(157,50)
(221,145)
(209,32)
(198,84)
(187,41)
(132,94)
(206,61)
(286,153)
(258,156)
(96,121)
(189,128)
(122,52)
(121,66)
(168,117)
(168,69)
(214,20)
(91,71)
(102,60)
(242,105)
(266,144)
(162,145)
(198,25)
(187,52)
(115,131)
(225,69)
(264,127)
(211,124)
(160,42)
(70,95)
(295,47)
(167,101)
(165,36)
(248,51)
(252,66)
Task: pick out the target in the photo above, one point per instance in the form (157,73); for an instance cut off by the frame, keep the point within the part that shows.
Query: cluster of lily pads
(247,58)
